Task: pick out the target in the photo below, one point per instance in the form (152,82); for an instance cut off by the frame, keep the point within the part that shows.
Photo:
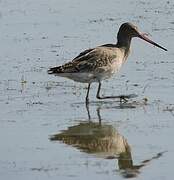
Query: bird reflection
(104,141)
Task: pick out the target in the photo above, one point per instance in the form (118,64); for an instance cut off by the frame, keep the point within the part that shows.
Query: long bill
(145,38)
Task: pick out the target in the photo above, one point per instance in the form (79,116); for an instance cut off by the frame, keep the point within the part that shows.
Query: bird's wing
(87,61)
(83,53)
(70,67)
(94,58)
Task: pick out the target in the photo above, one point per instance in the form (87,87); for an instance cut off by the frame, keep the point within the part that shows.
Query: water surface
(46,132)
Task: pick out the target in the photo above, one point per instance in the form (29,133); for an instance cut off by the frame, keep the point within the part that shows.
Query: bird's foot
(124,98)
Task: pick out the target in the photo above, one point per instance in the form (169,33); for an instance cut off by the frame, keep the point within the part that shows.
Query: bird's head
(129,30)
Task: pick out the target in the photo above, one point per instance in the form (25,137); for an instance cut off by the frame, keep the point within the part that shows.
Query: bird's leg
(88,112)
(98,91)
(123,98)
(99,116)
(87,101)
(87,94)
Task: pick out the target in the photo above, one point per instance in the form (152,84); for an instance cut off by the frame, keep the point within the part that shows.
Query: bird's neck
(124,43)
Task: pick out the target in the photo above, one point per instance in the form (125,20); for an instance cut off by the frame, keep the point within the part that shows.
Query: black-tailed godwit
(99,63)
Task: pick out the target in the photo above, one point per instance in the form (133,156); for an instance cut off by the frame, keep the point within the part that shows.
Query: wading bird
(99,63)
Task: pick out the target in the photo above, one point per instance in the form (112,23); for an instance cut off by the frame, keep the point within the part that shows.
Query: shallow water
(130,140)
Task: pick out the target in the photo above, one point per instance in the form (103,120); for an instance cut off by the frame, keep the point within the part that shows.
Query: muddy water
(46,131)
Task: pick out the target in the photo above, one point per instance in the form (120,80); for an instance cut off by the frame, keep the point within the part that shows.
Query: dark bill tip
(145,38)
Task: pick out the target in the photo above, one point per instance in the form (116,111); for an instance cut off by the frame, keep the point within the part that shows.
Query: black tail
(55,70)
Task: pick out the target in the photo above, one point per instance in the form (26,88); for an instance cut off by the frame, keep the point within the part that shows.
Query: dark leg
(98,91)
(87,98)
(88,112)
(123,98)
(99,116)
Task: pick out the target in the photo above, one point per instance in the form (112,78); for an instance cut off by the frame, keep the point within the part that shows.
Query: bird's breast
(117,63)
